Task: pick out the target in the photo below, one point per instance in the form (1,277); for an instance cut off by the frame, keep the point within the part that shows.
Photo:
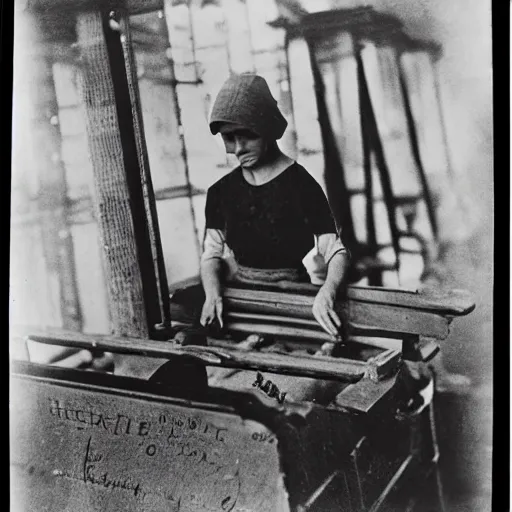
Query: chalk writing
(269,388)
(205,475)
(121,424)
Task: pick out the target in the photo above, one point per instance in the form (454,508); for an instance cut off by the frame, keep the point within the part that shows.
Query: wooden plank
(321,367)
(95,448)
(279,331)
(363,318)
(450,302)
(275,319)
(364,395)
(112,200)
(132,6)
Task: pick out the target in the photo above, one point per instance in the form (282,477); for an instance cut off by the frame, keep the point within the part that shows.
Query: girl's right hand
(212,309)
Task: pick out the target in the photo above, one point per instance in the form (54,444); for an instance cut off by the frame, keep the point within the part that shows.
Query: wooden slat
(280,331)
(321,367)
(298,322)
(364,318)
(395,319)
(132,6)
(449,302)
(364,395)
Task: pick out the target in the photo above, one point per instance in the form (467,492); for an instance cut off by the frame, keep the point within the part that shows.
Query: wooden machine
(265,415)
(291,422)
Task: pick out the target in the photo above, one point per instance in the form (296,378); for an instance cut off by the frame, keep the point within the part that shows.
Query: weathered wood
(76,6)
(306,323)
(365,21)
(364,395)
(277,330)
(376,317)
(321,367)
(407,313)
(112,201)
(448,302)
(118,198)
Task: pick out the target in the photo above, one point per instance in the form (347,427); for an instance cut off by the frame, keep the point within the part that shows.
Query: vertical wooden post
(119,195)
(45,141)
(112,197)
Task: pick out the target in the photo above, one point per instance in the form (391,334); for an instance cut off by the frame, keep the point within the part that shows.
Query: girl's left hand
(323,310)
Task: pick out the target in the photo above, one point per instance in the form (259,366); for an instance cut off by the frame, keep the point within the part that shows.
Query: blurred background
(184,51)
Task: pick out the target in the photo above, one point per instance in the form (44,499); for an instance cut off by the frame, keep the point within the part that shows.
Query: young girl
(268,212)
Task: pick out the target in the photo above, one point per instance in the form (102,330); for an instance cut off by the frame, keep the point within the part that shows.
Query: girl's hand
(323,310)
(212,309)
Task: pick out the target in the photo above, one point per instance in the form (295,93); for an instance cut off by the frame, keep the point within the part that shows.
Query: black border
(501,460)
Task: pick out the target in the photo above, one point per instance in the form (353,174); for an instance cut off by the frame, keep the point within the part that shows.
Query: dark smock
(269,226)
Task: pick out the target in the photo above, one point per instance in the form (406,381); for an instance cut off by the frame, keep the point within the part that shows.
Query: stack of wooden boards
(285,310)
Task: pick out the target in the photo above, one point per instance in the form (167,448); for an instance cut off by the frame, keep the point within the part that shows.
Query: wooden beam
(320,367)
(112,198)
(76,6)
(364,395)
(449,302)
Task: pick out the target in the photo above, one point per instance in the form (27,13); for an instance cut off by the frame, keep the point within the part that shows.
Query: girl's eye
(242,134)
(228,137)
(246,134)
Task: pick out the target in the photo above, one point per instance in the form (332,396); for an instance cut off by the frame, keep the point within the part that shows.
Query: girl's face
(249,148)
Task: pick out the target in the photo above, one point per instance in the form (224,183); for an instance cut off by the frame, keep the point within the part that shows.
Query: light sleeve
(330,244)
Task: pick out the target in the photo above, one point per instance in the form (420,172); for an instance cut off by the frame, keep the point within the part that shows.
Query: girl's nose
(239,145)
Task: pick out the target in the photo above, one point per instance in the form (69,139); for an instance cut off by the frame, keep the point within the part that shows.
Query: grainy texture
(112,201)
(92,450)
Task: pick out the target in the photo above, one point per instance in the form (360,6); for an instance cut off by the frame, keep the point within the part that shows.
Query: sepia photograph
(252,256)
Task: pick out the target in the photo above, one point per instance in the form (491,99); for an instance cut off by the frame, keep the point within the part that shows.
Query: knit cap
(245,99)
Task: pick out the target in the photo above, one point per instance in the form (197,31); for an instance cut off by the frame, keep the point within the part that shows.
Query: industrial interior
(388,106)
